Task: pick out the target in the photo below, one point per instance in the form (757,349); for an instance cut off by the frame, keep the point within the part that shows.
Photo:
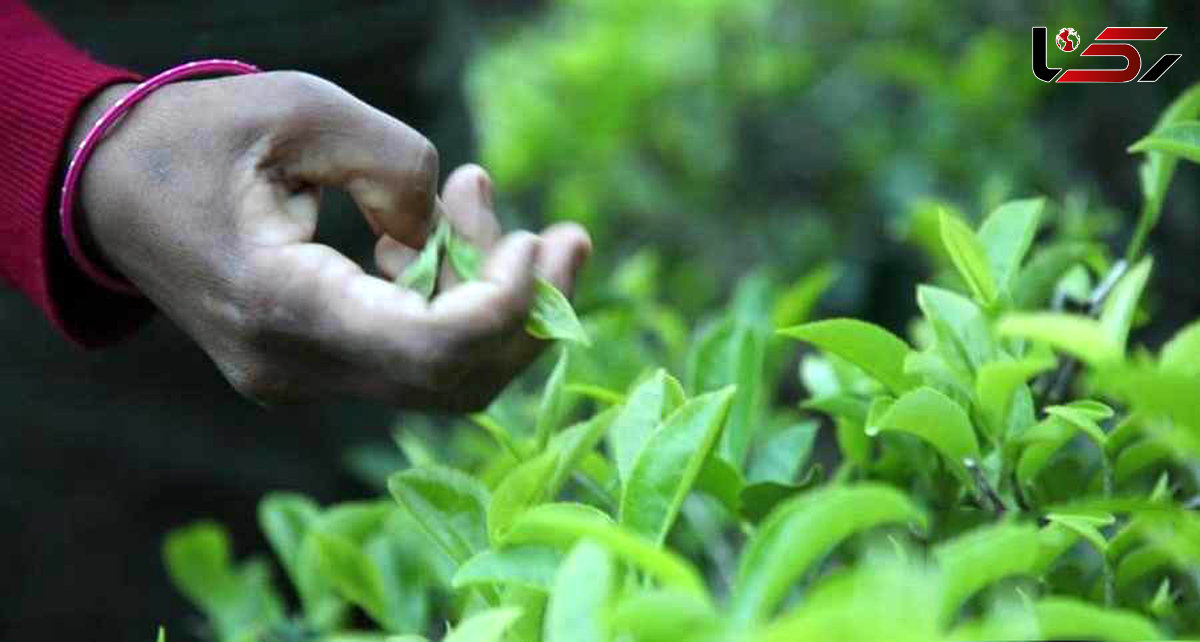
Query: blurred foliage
(736,133)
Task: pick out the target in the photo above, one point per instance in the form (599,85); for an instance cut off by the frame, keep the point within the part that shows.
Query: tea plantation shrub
(1014,468)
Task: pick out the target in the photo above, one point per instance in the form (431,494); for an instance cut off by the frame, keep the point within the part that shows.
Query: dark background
(102,452)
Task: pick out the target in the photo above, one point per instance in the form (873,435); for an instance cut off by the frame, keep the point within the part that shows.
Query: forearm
(45,83)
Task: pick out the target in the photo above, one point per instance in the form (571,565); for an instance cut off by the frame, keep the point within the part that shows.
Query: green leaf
(421,275)
(1158,169)
(574,444)
(448,505)
(794,304)
(1182,353)
(644,408)
(839,406)
(1035,283)
(1079,420)
(1119,308)
(669,463)
(1140,563)
(562,525)
(1180,139)
(802,531)
(963,334)
(1045,438)
(239,601)
(486,626)
(982,557)
(878,352)
(783,454)
(466,259)
(732,351)
(997,382)
(1079,336)
(352,574)
(551,316)
(528,566)
(284,519)
(554,404)
(661,615)
(722,481)
(579,603)
(1138,457)
(1007,234)
(969,258)
(938,421)
(757,500)
(524,486)
(1068,618)
(1085,526)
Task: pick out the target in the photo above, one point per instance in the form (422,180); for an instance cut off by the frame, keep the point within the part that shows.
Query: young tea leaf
(551,316)
(578,608)
(669,463)
(554,403)
(526,485)
(1119,308)
(800,532)
(878,352)
(1007,234)
(421,275)
(1064,618)
(969,258)
(486,626)
(982,557)
(644,408)
(528,566)
(1180,139)
(448,505)
(937,420)
(1079,336)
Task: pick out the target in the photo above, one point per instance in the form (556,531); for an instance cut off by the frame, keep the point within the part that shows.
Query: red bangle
(66,203)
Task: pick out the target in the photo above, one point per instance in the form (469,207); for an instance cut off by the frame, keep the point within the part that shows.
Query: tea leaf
(1117,315)
(1007,234)
(669,463)
(969,258)
(878,352)
(529,566)
(1182,353)
(563,524)
(645,407)
(937,420)
(1035,282)
(1180,139)
(800,532)
(1158,169)
(421,275)
(982,557)
(997,382)
(526,485)
(1079,336)
(1069,618)
(551,316)
(1079,420)
(486,626)
(661,615)
(353,575)
(794,304)
(554,401)
(578,609)
(963,334)
(783,453)
(284,519)
(449,506)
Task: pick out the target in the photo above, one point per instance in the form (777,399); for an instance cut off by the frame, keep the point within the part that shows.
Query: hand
(206,197)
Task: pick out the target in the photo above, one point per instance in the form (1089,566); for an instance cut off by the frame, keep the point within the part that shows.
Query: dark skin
(206,197)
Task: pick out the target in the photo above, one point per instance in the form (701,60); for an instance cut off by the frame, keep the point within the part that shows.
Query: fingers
(467,206)
(565,248)
(393,257)
(325,136)
(499,301)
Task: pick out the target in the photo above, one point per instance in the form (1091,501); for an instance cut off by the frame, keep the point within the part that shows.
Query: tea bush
(1014,469)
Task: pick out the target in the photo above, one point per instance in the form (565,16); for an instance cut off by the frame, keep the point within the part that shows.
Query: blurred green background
(707,138)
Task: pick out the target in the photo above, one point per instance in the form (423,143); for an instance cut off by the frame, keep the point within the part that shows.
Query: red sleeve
(44,82)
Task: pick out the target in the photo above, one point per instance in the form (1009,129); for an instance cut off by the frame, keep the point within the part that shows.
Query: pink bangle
(66,203)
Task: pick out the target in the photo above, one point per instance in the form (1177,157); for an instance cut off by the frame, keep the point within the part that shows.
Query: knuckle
(263,384)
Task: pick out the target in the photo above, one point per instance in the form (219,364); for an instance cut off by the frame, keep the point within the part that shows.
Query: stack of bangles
(66,208)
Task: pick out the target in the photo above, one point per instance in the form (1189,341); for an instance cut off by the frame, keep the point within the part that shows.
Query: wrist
(87,117)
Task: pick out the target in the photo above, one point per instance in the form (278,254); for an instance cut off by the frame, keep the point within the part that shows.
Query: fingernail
(485,190)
